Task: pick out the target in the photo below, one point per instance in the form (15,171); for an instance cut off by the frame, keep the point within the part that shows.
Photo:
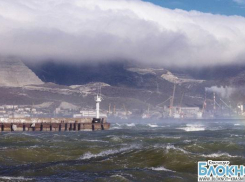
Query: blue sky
(224,7)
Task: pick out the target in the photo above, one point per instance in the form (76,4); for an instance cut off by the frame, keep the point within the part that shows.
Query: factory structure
(215,107)
(180,112)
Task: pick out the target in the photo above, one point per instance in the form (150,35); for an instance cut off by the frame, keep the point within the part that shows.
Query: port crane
(164,101)
(180,104)
(172,102)
(225,103)
(109,109)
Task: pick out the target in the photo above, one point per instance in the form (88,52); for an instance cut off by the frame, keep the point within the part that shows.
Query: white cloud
(239,1)
(98,30)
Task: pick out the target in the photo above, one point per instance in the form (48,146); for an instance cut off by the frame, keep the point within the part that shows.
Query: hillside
(123,86)
(13,73)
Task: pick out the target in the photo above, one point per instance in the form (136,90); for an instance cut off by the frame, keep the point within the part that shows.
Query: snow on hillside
(144,71)
(175,79)
(13,73)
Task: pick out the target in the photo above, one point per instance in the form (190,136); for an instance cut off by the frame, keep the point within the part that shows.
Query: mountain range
(123,85)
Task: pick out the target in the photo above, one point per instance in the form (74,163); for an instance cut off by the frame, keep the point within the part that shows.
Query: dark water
(166,151)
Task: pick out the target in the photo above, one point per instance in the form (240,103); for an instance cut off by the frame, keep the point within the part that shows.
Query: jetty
(53,124)
(56,124)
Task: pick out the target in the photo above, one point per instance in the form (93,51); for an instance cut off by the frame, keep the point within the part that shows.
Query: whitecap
(171,147)
(187,141)
(237,124)
(118,176)
(216,155)
(3,148)
(115,128)
(95,141)
(116,139)
(161,169)
(15,178)
(152,125)
(168,147)
(130,124)
(193,127)
(170,137)
(89,155)
(34,146)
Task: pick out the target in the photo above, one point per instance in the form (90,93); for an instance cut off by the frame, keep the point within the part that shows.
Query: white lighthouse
(98,99)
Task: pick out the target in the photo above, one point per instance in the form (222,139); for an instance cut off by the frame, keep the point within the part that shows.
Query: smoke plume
(224,92)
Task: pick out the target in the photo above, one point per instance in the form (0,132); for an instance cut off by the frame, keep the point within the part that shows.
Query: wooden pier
(52,124)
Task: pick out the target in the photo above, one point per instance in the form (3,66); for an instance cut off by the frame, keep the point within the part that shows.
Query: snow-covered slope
(177,79)
(14,73)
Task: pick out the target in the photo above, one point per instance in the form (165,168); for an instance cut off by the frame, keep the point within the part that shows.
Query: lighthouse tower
(98,99)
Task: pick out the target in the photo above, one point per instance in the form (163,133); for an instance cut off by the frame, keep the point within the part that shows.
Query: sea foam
(89,155)
(11,178)
(192,127)
(152,125)
(216,155)
(161,169)
(130,124)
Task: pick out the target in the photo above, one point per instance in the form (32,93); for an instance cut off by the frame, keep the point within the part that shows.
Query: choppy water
(153,151)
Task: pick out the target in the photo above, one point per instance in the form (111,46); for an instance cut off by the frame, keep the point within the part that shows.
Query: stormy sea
(129,151)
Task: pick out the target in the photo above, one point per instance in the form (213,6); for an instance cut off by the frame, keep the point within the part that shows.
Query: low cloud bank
(102,30)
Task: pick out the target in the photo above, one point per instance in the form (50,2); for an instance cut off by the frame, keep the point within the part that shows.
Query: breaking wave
(171,147)
(193,127)
(161,169)
(120,177)
(217,155)
(130,124)
(94,141)
(152,125)
(89,155)
(115,128)
(146,153)
(11,178)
